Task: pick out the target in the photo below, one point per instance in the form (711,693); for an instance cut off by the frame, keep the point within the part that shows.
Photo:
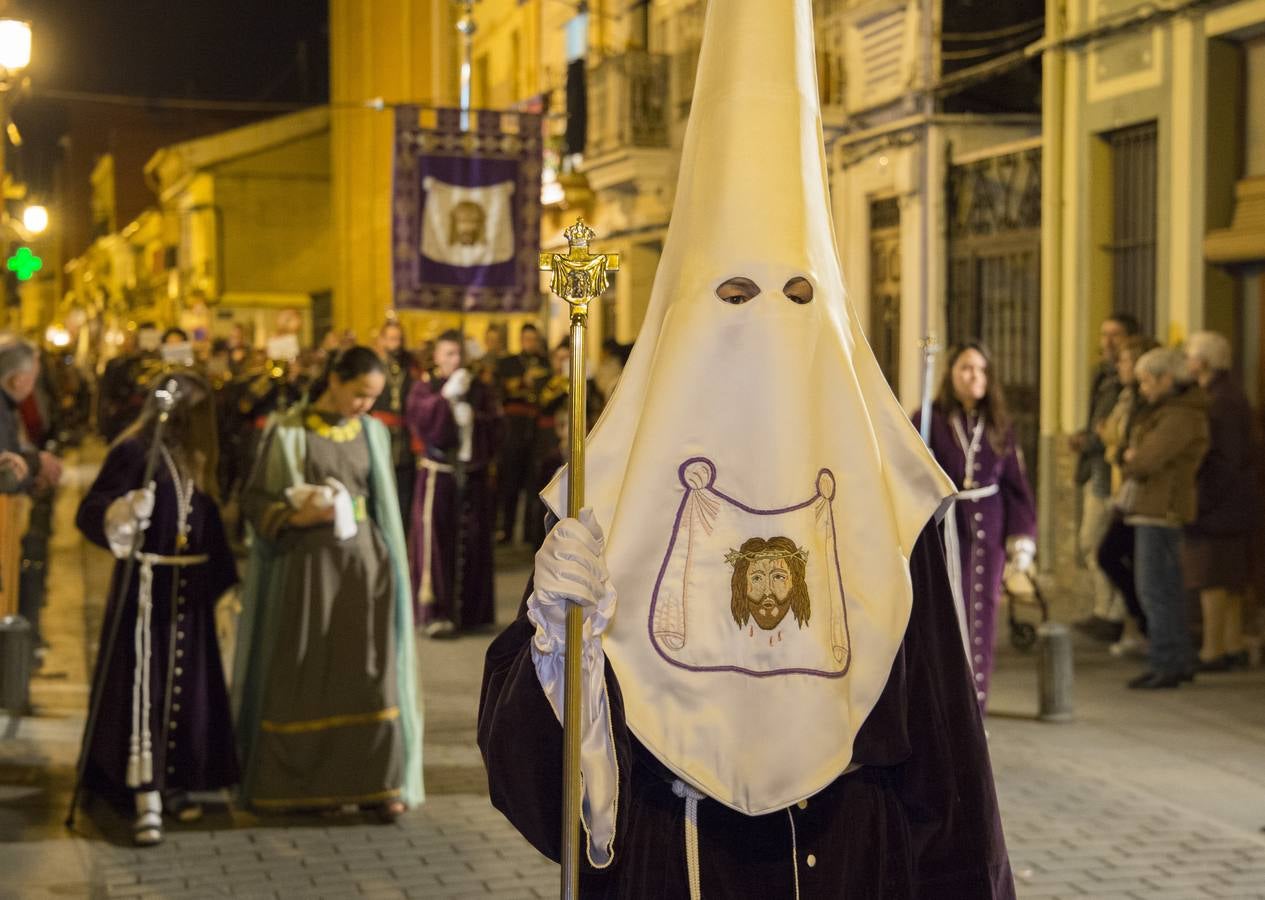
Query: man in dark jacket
(1216,558)
(1093,474)
(40,470)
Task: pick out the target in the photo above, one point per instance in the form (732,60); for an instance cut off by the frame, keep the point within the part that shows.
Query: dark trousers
(515,466)
(1159,580)
(33,583)
(1115,559)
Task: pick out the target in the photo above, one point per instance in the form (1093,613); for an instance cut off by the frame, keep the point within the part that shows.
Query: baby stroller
(1021,589)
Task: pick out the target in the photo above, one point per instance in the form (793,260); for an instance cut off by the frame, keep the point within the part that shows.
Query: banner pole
(929,350)
(466,27)
(579,278)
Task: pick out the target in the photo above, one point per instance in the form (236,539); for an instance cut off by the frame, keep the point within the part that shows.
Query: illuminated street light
(35,218)
(15,56)
(57,335)
(15,45)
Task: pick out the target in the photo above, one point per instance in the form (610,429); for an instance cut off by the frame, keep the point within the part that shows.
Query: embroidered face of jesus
(466,224)
(768,582)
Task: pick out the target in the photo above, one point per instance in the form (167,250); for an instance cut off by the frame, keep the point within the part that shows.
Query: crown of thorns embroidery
(734,556)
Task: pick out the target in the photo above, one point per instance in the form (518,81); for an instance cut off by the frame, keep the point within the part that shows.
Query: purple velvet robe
(447,527)
(984,524)
(192,728)
(919,819)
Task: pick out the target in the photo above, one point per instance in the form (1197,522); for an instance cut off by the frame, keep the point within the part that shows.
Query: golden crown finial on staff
(578,275)
(579,278)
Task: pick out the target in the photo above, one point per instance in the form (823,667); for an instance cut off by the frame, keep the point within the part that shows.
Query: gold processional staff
(579,278)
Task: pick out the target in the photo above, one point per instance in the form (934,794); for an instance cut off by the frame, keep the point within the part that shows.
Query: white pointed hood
(760,487)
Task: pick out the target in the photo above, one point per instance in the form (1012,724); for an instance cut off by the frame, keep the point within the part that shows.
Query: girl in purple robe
(164,727)
(974,442)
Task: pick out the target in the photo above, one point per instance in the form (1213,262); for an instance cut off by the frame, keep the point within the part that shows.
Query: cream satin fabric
(782,413)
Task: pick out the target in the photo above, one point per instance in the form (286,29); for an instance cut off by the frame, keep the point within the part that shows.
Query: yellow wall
(403,52)
(273,212)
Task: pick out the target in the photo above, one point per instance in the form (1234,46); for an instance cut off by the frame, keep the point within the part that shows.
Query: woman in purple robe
(974,442)
(453,417)
(164,727)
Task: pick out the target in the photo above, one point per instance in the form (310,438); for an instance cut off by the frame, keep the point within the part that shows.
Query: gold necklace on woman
(339,434)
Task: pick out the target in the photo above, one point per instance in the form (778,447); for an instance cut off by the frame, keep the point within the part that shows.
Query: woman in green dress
(325,686)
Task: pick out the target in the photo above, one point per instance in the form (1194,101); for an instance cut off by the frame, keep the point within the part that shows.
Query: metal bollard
(15,665)
(1054,674)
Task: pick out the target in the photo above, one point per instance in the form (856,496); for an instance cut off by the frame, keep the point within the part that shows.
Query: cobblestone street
(1158,795)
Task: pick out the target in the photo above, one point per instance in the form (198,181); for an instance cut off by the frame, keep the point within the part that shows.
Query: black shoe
(1162,682)
(1220,664)
(1141,680)
(1238,660)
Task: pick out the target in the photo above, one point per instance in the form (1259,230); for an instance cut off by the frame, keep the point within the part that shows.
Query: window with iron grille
(1132,246)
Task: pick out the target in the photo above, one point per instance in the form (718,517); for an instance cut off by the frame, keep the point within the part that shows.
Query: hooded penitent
(759,485)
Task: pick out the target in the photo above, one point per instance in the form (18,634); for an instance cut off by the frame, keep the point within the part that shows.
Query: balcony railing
(628,101)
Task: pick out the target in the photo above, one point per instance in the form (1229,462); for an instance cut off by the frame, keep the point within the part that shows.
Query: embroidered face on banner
(467,224)
(767,625)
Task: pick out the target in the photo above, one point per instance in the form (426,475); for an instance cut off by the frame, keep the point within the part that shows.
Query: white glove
(1021,552)
(570,566)
(142,503)
(1019,571)
(126,517)
(571,569)
(457,385)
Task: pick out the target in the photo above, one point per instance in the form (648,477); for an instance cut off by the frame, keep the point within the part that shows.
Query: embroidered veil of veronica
(760,487)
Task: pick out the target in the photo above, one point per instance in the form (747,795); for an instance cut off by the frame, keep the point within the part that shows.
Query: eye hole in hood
(798,290)
(737,290)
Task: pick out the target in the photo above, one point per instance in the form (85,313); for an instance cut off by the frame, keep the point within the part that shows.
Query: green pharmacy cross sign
(25,263)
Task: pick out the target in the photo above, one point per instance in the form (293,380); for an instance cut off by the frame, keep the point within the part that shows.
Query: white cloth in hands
(332,493)
(570,568)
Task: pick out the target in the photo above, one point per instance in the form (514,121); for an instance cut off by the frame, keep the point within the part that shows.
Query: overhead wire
(995,48)
(373,104)
(991,34)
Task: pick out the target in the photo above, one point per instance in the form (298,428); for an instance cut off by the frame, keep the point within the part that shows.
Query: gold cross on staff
(579,276)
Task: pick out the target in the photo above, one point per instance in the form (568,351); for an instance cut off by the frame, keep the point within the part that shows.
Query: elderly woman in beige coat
(1216,557)
(1167,442)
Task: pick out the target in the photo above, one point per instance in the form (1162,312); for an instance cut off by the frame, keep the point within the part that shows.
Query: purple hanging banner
(466,222)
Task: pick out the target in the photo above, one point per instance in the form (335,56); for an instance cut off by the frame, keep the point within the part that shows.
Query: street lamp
(15,56)
(35,218)
(15,46)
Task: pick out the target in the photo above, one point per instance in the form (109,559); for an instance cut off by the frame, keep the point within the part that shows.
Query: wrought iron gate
(994,278)
(884,332)
(1132,246)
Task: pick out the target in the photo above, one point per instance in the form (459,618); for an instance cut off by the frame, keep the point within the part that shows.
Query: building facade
(239,229)
(1154,153)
